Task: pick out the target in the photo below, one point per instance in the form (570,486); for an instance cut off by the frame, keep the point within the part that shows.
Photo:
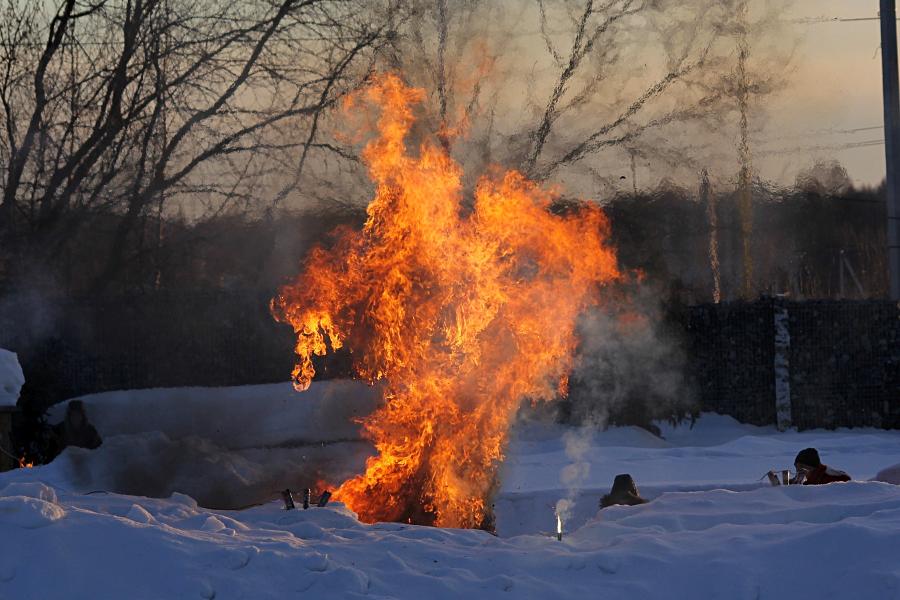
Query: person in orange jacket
(813,472)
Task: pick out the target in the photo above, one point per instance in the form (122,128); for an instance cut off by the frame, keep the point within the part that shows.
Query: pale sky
(836,88)
(834,97)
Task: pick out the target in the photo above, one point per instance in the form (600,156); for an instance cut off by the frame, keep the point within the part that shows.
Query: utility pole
(888,16)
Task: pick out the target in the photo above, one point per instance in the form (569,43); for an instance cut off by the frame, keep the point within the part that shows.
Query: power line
(822,147)
(820,132)
(854,130)
(823,19)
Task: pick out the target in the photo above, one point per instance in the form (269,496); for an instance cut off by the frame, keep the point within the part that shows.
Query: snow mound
(711,544)
(225,447)
(139,514)
(249,416)
(151,464)
(889,475)
(28,513)
(234,447)
(30,489)
(716,453)
(711,529)
(11,378)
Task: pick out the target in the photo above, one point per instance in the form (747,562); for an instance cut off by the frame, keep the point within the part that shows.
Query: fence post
(782,366)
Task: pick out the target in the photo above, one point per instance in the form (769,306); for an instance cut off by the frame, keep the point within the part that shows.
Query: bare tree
(593,92)
(571,89)
(110,104)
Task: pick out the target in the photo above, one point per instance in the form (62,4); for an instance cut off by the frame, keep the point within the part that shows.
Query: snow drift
(765,543)
(11,378)
(233,447)
(889,475)
(225,447)
(711,529)
(716,453)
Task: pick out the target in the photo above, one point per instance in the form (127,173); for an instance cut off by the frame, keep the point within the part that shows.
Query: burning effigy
(462,307)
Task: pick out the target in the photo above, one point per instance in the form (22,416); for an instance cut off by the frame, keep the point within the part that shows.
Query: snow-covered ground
(11,378)
(712,530)
(546,463)
(225,447)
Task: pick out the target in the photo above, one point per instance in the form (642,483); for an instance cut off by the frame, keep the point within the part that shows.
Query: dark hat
(624,491)
(624,484)
(75,405)
(808,457)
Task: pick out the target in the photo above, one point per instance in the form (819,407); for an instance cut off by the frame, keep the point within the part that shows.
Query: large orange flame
(463,312)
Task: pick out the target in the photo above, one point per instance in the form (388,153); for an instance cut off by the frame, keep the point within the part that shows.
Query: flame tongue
(461,316)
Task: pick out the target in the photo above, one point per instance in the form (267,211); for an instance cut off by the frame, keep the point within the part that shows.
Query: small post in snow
(288,499)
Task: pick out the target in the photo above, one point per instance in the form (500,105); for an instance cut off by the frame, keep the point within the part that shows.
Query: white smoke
(577,443)
(630,369)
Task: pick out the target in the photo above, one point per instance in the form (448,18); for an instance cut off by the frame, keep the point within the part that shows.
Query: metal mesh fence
(843,357)
(159,340)
(843,360)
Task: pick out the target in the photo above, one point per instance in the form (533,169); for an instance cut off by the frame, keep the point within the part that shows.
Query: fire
(462,309)
(24,463)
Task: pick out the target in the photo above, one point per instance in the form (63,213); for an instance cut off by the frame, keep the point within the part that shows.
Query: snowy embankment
(711,529)
(225,447)
(11,378)
(546,463)
(838,541)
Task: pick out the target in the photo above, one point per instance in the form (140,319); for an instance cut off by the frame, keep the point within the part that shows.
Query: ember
(462,313)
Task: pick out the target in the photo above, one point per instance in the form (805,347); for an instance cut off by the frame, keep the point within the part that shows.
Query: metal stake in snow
(288,499)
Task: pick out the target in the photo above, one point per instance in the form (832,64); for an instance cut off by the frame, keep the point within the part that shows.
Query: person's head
(624,484)
(807,460)
(75,414)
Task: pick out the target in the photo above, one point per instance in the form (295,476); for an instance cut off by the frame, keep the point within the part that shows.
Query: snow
(234,417)
(225,447)
(718,452)
(711,530)
(11,378)
(889,475)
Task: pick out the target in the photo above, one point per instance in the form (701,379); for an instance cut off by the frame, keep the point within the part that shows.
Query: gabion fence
(773,361)
(833,363)
(143,341)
